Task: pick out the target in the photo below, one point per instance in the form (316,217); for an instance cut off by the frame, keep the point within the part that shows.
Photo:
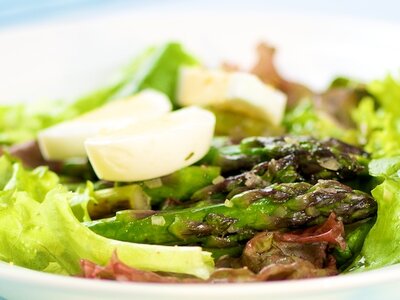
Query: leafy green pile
(382,244)
(38,230)
(378,121)
(378,118)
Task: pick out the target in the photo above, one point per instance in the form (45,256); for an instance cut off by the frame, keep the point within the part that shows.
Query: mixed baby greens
(319,196)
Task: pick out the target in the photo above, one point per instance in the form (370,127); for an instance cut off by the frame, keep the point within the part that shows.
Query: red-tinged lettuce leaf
(309,246)
(117,270)
(265,69)
(31,157)
(297,269)
(332,232)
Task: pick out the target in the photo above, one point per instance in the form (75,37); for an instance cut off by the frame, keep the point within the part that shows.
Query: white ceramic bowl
(63,60)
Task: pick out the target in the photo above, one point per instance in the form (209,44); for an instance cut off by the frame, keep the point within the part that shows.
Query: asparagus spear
(355,235)
(287,160)
(106,201)
(181,184)
(317,158)
(286,205)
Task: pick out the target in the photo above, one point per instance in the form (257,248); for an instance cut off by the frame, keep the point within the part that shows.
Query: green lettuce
(156,67)
(379,129)
(387,93)
(382,244)
(378,118)
(19,123)
(38,230)
(37,182)
(304,119)
(378,121)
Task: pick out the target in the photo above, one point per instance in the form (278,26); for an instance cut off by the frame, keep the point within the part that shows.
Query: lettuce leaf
(156,67)
(304,119)
(21,122)
(379,129)
(382,244)
(36,182)
(38,230)
(378,118)
(385,167)
(387,94)
(159,71)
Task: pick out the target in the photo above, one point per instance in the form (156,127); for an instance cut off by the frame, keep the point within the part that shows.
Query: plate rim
(339,283)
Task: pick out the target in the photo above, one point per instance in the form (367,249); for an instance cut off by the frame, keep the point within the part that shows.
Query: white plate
(62,60)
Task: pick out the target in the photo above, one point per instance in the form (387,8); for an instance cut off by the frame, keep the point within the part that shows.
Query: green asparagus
(107,200)
(279,206)
(287,160)
(318,159)
(355,235)
(181,184)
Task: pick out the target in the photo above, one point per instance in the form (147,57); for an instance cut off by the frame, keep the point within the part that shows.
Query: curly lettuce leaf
(382,244)
(378,118)
(38,230)
(304,119)
(79,202)
(380,128)
(13,176)
(387,93)
(156,68)
(19,123)
(385,167)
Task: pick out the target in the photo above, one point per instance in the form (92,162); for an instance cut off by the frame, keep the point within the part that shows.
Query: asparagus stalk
(179,186)
(286,205)
(285,160)
(355,235)
(319,159)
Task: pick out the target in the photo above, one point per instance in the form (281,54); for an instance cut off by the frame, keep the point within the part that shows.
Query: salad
(177,173)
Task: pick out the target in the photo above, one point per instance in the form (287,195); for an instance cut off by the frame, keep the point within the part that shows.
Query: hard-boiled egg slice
(66,140)
(154,148)
(234,91)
